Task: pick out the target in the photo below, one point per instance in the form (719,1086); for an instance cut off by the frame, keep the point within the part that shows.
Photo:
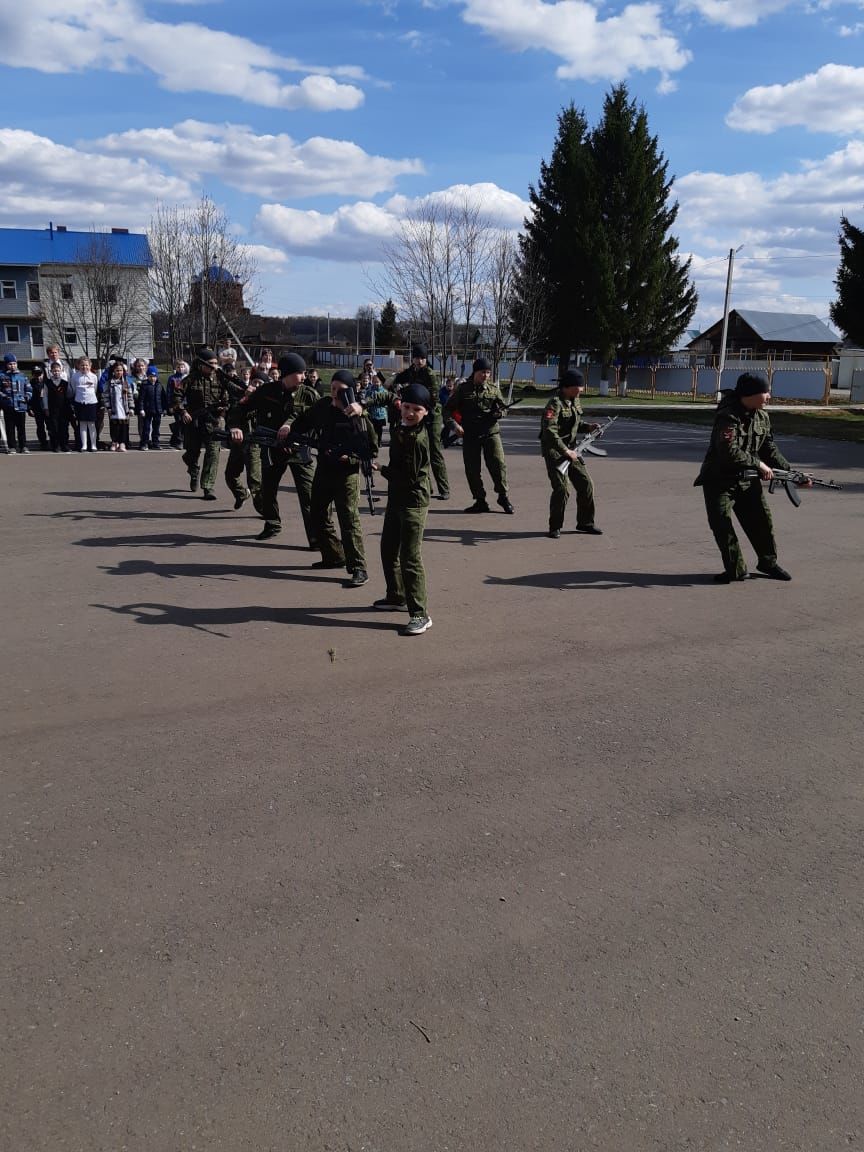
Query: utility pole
(732,252)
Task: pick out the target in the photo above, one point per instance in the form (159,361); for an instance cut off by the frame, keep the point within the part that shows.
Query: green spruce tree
(387,335)
(646,299)
(847,311)
(558,252)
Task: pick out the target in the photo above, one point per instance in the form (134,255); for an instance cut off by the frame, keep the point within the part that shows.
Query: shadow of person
(180,540)
(605,581)
(210,619)
(470,537)
(119,514)
(123,494)
(228,572)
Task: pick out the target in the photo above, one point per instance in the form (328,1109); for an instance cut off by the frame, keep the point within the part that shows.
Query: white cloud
(830,100)
(591,48)
(45,181)
(81,35)
(734,13)
(266,259)
(353,232)
(265,165)
(788,226)
(359,231)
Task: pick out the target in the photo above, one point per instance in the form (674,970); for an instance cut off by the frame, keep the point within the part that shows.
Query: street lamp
(732,254)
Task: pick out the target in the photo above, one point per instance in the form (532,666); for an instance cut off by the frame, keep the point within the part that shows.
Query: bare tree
(498,294)
(97,304)
(203,279)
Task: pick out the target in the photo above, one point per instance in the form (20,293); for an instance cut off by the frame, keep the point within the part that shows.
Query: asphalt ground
(580,868)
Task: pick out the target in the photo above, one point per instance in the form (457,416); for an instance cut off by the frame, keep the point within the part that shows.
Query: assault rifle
(586,444)
(299,448)
(362,449)
(791,479)
(482,428)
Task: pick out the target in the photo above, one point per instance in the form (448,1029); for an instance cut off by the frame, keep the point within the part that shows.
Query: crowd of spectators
(70,405)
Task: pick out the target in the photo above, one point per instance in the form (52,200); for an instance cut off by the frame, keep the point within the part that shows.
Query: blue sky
(316,126)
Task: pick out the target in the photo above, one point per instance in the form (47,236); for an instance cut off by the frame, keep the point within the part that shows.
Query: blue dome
(216,274)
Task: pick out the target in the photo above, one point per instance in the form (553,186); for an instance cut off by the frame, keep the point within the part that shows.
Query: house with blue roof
(756,335)
(88,292)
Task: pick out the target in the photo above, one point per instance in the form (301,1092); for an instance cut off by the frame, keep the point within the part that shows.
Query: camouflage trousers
(435,429)
(271,477)
(401,557)
(751,508)
(491,451)
(240,457)
(196,441)
(332,486)
(577,475)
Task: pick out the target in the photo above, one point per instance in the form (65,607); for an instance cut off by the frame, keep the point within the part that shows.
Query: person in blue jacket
(15,396)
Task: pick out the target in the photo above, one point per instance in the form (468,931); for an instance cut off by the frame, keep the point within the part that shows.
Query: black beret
(416,394)
(481,365)
(291,363)
(205,355)
(418,352)
(749,384)
(572,379)
(343,376)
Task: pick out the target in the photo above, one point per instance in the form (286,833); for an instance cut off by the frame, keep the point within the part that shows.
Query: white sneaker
(122,448)
(417,625)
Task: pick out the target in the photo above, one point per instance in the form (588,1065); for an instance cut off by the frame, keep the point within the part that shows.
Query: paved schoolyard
(578,869)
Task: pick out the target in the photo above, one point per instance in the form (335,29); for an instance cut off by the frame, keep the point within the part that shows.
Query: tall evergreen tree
(387,335)
(558,247)
(847,311)
(648,299)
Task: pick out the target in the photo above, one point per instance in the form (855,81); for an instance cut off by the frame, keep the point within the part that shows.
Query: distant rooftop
(34,246)
(796,326)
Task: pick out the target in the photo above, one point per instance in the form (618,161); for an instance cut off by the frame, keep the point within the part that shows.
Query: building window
(109,335)
(33,292)
(10,292)
(107,294)
(66,291)
(70,337)
(36,337)
(772,353)
(745,354)
(13,334)
(787,353)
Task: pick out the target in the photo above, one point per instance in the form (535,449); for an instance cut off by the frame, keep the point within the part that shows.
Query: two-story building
(86,291)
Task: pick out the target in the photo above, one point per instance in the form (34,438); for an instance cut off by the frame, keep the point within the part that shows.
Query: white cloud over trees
(262,164)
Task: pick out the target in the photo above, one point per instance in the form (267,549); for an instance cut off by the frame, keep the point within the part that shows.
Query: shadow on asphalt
(125,494)
(473,536)
(176,540)
(119,514)
(605,580)
(219,571)
(209,619)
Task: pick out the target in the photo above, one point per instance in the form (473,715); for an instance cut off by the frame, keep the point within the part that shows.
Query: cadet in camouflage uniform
(345,434)
(240,456)
(560,426)
(410,486)
(275,404)
(742,438)
(419,372)
(476,405)
(205,403)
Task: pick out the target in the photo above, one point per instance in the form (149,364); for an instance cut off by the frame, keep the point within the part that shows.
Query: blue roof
(35,246)
(791,327)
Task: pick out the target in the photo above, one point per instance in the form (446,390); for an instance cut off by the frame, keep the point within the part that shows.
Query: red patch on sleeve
(549,413)
(728,434)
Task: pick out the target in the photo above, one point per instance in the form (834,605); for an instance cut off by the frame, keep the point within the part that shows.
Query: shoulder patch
(728,434)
